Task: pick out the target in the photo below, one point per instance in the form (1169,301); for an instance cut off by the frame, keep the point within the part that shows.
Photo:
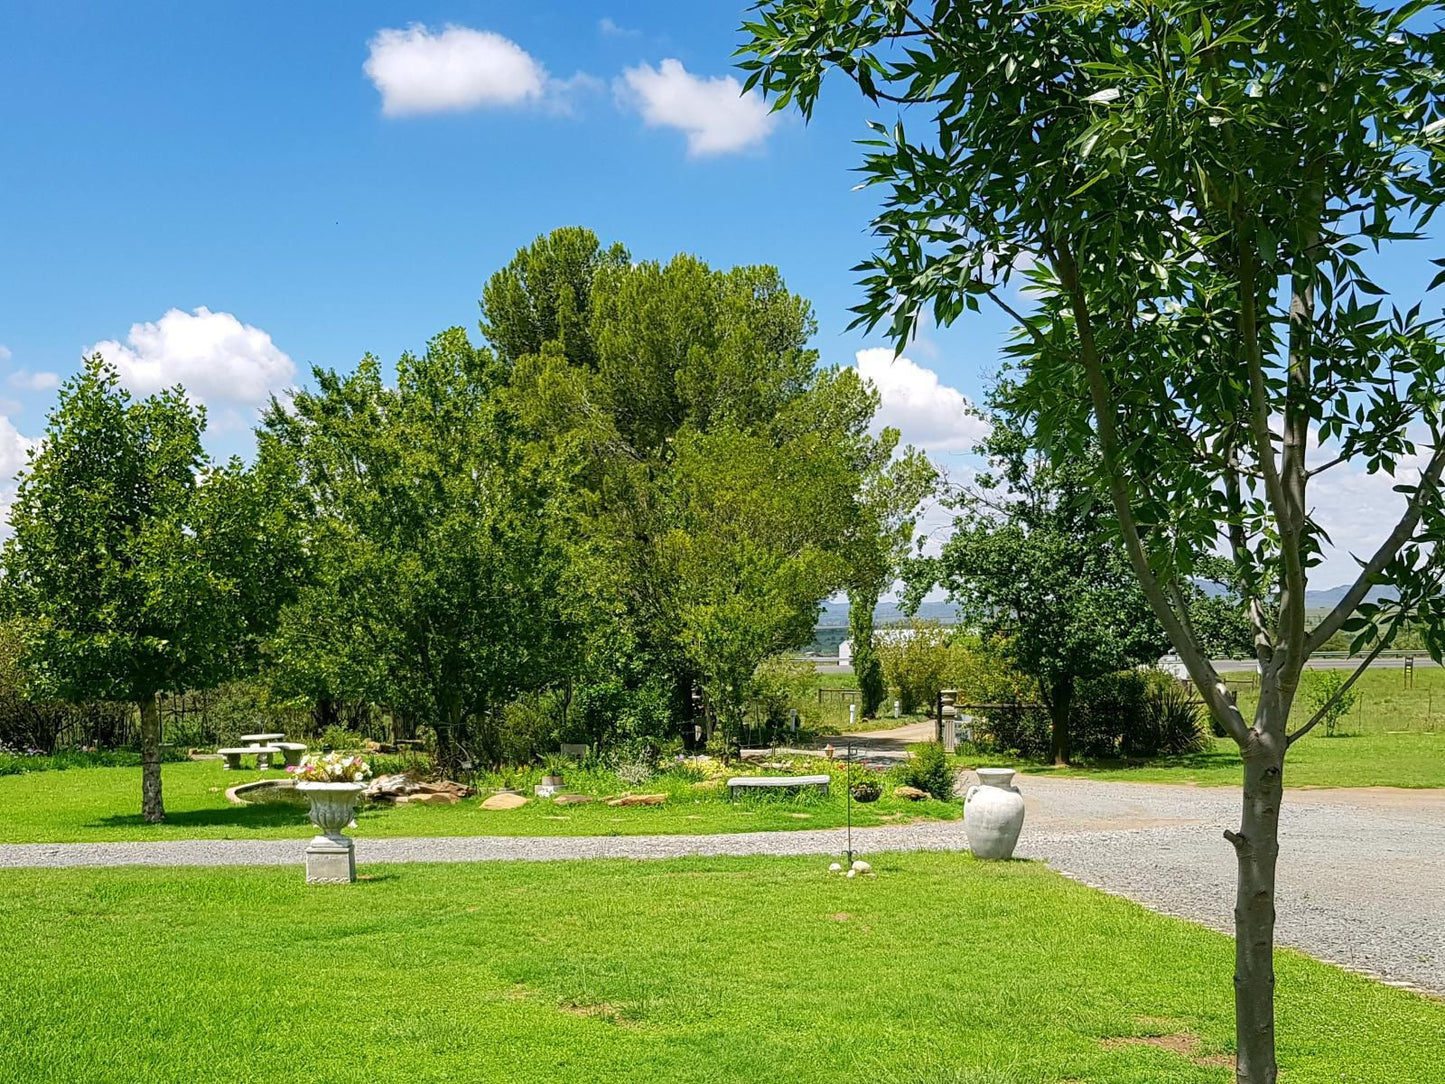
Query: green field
(103,804)
(941,970)
(1394,737)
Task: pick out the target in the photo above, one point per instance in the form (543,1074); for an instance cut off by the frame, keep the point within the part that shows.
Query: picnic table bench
(776,782)
(263,754)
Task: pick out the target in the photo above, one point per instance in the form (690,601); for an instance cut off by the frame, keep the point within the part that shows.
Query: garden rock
(390,786)
(913,794)
(638,799)
(446,786)
(573,799)
(505,801)
(439,798)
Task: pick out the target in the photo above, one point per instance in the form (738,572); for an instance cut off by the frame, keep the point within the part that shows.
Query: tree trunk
(151,806)
(1060,700)
(1256,847)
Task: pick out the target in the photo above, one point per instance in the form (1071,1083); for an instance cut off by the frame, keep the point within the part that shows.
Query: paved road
(1361,873)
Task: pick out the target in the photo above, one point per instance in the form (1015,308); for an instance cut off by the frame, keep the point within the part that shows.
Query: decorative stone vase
(331,856)
(993,814)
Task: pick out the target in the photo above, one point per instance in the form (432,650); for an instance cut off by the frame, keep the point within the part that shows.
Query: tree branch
(1325,707)
(1200,668)
(1388,549)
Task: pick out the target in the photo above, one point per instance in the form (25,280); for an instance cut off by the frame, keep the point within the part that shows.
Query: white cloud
(5,354)
(14,454)
(26,380)
(610,28)
(418,70)
(714,113)
(214,356)
(929,413)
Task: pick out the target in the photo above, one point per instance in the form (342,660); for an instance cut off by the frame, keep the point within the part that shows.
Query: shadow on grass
(1202,761)
(241,816)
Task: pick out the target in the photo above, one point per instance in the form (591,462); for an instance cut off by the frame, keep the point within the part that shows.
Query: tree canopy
(1193,194)
(137,565)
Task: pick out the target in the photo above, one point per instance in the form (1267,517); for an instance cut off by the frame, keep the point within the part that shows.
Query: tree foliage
(1193,192)
(1033,561)
(439,584)
(685,403)
(139,565)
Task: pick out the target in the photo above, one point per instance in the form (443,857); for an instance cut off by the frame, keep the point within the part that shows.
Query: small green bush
(928,769)
(1321,687)
(339,738)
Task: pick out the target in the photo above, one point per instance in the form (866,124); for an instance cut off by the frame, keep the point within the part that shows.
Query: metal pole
(847,785)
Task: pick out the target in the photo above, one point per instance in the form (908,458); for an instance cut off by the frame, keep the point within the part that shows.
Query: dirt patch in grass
(1178,1042)
(601,1010)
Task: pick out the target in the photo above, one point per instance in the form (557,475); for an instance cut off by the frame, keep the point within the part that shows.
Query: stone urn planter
(331,856)
(993,814)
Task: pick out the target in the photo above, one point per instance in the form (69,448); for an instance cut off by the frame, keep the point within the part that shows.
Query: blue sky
(226,194)
(240,158)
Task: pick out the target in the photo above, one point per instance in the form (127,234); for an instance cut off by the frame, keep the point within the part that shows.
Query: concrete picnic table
(261,739)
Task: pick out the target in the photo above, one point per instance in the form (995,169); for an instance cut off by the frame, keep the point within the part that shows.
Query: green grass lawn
(103,804)
(1357,760)
(941,970)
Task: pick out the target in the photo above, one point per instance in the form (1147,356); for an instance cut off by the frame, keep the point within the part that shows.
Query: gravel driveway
(1362,872)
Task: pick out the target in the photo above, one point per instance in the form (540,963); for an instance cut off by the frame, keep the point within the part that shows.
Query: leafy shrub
(338,737)
(634,762)
(781,684)
(1139,713)
(915,660)
(1176,722)
(1109,711)
(530,728)
(928,769)
(1021,731)
(1325,691)
(608,712)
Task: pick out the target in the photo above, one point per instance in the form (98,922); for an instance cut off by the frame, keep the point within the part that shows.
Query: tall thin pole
(847,785)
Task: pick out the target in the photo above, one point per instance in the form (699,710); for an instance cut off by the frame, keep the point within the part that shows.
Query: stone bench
(776,782)
(292,751)
(263,754)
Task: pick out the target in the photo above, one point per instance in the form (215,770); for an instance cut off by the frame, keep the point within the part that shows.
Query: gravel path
(1361,871)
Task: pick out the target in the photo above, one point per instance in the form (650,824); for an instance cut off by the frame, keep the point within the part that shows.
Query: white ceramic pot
(993,814)
(333,805)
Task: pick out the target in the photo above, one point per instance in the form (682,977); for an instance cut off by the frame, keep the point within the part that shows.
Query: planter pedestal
(331,860)
(331,856)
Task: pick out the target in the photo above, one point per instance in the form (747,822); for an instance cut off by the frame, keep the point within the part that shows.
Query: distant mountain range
(1329,597)
(887,612)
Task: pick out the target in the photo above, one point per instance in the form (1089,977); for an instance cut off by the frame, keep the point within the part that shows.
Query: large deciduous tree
(1191,189)
(139,566)
(627,375)
(879,537)
(438,582)
(1034,558)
